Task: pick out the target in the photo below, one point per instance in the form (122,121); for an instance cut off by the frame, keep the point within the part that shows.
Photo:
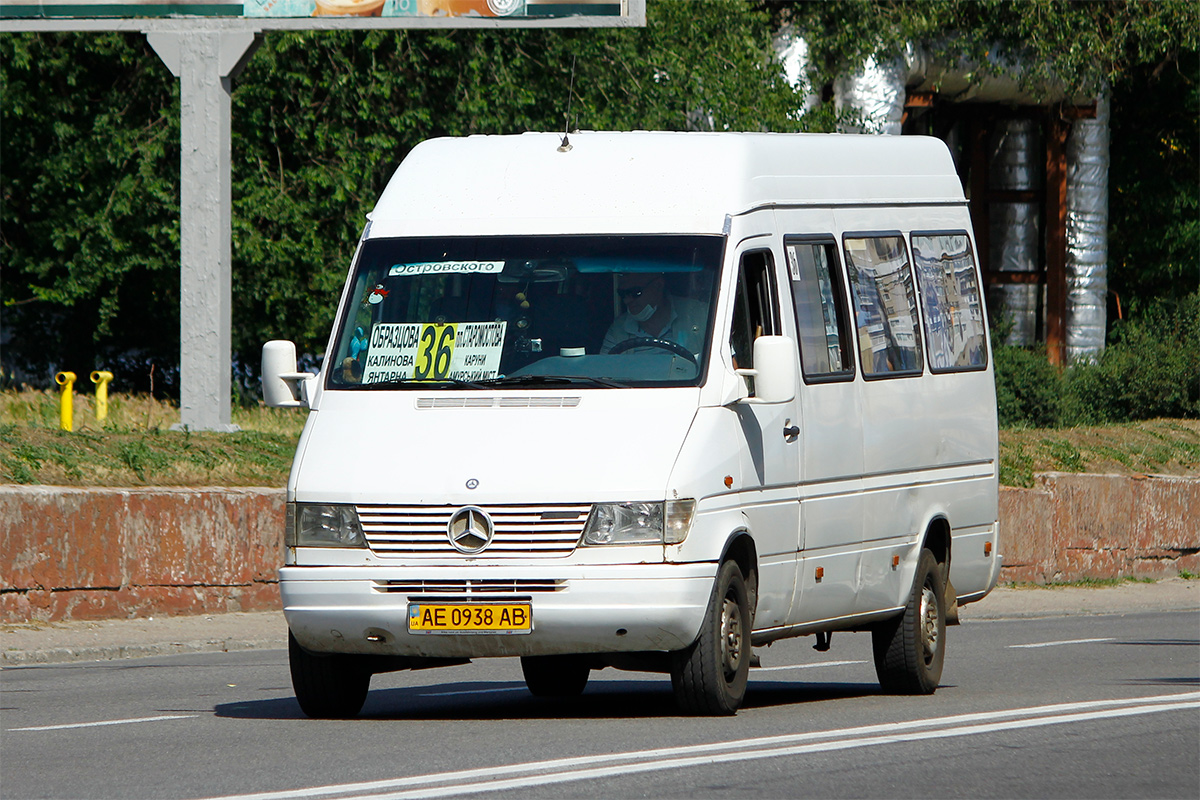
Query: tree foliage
(1154,183)
(1074,44)
(89,143)
(88,130)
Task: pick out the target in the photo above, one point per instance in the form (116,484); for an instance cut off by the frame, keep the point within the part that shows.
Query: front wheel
(911,648)
(709,677)
(555,676)
(327,686)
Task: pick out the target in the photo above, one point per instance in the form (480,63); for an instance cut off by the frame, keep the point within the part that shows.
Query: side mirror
(774,370)
(282,385)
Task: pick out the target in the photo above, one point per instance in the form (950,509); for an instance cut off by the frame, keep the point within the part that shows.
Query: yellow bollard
(101,379)
(66,410)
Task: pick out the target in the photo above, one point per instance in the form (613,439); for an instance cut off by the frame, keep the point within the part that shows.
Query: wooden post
(1057,129)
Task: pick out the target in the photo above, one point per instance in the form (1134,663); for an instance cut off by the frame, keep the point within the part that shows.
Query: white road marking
(806,666)
(104,722)
(1056,644)
(541,773)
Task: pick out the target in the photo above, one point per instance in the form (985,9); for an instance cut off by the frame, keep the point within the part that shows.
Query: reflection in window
(954,324)
(820,309)
(885,307)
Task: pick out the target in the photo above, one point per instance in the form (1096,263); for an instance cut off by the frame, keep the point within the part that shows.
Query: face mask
(646,313)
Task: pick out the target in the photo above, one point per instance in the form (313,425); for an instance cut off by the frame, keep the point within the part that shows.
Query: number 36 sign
(427,351)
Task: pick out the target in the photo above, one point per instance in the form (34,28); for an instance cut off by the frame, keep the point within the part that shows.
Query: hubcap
(929,624)
(731,636)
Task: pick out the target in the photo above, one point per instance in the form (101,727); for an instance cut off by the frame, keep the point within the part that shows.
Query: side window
(950,298)
(821,318)
(885,305)
(755,307)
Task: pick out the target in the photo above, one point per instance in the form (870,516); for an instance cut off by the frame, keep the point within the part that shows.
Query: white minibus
(644,400)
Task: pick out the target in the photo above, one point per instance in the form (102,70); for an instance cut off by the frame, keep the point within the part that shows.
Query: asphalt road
(1086,706)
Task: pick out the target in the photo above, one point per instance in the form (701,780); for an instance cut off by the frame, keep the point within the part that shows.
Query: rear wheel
(911,648)
(555,676)
(709,677)
(327,686)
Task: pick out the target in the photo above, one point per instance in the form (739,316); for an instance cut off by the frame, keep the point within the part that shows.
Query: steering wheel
(662,344)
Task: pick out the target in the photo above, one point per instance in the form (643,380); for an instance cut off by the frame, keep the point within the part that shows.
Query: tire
(709,677)
(911,648)
(327,686)
(555,676)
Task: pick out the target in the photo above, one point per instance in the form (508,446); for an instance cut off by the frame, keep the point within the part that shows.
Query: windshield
(610,311)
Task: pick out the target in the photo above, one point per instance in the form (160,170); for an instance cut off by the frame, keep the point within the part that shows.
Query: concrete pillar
(205,63)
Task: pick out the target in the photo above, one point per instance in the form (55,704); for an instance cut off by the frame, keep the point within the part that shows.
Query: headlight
(639,523)
(312,525)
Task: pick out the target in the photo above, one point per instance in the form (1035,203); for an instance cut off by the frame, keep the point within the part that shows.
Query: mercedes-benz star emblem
(472,483)
(470,530)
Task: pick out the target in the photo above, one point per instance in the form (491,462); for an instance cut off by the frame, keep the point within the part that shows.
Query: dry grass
(135,445)
(1159,446)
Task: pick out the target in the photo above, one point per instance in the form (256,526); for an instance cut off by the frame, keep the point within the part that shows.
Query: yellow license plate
(470,618)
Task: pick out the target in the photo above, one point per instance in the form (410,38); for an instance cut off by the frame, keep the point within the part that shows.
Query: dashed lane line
(102,723)
(1059,643)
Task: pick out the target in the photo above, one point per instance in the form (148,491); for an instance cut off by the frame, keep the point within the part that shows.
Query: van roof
(649,181)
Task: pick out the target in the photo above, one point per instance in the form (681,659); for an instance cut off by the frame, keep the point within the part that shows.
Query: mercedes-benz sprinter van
(644,400)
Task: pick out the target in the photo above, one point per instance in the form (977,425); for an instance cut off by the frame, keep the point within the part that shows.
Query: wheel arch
(937,540)
(740,548)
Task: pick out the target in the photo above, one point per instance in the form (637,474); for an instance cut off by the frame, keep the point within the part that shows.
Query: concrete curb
(67,642)
(65,655)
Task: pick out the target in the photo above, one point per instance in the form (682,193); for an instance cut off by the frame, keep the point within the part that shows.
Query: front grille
(545,531)
(472,587)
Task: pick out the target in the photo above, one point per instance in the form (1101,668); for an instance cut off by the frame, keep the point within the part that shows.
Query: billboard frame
(633,16)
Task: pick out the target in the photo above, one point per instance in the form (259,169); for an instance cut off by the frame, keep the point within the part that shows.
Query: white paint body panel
(876,465)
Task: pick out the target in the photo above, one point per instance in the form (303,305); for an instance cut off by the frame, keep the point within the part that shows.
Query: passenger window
(755,307)
(954,328)
(821,318)
(885,305)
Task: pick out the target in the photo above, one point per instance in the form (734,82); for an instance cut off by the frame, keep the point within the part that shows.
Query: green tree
(89,129)
(1154,183)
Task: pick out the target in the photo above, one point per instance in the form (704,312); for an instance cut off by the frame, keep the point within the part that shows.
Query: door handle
(791,433)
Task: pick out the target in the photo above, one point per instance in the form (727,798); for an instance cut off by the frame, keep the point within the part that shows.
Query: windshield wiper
(552,380)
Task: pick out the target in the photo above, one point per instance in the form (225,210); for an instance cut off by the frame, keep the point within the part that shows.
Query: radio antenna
(566,144)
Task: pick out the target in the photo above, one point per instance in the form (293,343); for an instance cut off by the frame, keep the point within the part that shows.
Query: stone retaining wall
(126,553)
(116,553)
(1070,526)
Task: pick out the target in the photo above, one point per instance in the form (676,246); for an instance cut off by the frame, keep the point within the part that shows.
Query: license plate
(470,618)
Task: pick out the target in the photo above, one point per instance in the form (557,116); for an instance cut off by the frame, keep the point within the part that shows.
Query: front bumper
(591,609)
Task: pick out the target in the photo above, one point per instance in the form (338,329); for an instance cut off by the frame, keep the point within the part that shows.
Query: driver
(651,313)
